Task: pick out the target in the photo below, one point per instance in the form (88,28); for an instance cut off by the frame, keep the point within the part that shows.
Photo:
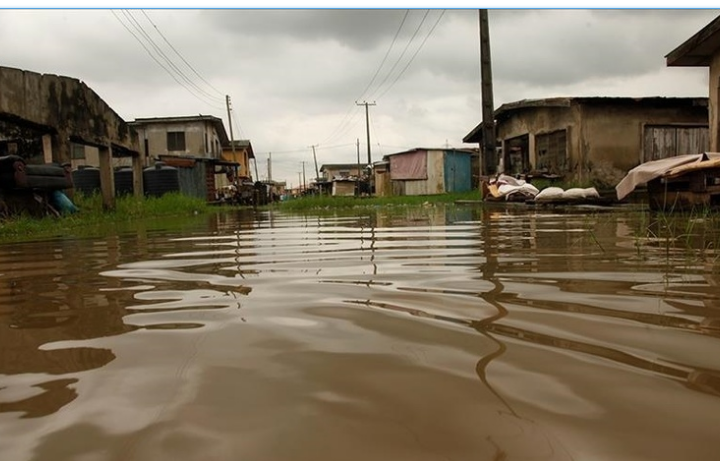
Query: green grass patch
(93,219)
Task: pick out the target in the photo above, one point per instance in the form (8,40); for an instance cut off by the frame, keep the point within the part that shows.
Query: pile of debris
(37,190)
(680,183)
(508,189)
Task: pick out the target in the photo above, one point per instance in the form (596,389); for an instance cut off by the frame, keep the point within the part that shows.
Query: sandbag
(549,193)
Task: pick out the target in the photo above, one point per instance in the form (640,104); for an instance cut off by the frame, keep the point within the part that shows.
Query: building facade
(703,50)
(595,138)
(184,136)
(329,172)
(240,152)
(424,171)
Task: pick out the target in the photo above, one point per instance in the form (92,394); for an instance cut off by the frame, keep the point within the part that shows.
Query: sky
(297,78)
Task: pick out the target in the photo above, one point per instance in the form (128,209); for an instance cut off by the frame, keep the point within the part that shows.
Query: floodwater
(426,333)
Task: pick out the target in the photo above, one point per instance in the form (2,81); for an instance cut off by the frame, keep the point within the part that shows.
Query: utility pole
(304,186)
(232,141)
(367,126)
(317,173)
(357,181)
(269,166)
(489,165)
(299,184)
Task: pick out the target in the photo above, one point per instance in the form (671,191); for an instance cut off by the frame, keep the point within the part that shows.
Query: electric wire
(147,50)
(180,55)
(437,21)
(346,128)
(397,61)
(128,14)
(341,127)
(387,53)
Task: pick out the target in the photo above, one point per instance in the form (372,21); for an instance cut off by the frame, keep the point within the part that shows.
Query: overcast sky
(294,76)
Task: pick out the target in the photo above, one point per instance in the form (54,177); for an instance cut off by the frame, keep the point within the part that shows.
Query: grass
(329,202)
(93,219)
(694,234)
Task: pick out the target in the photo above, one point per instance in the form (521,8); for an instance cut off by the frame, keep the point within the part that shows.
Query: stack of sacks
(513,189)
(557,193)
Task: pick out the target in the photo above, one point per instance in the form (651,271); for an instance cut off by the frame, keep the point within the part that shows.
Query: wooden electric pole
(232,141)
(317,173)
(489,160)
(367,127)
(359,170)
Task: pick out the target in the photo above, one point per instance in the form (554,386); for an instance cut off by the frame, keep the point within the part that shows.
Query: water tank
(86,179)
(123,181)
(160,179)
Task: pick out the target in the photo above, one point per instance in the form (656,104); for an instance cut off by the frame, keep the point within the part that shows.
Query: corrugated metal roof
(698,50)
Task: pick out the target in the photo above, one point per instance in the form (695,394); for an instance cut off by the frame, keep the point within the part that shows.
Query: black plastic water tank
(160,179)
(86,179)
(123,181)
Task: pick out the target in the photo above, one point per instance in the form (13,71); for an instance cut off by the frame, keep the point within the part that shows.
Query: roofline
(240,143)
(415,149)
(219,126)
(502,112)
(697,51)
(340,165)
(568,101)
(178,118)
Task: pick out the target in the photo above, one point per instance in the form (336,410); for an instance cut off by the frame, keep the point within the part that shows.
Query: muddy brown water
(428,333)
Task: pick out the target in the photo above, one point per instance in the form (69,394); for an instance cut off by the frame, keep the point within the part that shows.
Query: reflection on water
(409,333)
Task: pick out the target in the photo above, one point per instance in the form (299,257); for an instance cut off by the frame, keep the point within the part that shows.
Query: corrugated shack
(198,175)
(425,171)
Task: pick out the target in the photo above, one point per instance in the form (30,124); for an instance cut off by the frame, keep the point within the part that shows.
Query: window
(175,140)
(78,152)
(551,151)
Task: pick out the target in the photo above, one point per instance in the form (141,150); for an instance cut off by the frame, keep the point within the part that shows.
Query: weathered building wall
(343,188)
(434,184)
(330,172)
(240,156)
(615,134)
(64,107)
(608,135)
(201,140)
(539,120)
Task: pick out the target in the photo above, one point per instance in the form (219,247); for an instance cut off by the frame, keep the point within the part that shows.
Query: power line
(343,126)
(162,54)
(387,53)
(412,38)
(179,55)
(413,56)
(147,50)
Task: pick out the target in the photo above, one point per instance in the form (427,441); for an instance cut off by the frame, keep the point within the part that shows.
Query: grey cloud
(356,29)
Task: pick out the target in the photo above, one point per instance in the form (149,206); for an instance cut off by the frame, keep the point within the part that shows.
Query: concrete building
(240,153)
(595,138)
(424,171)
(329,172)
(339,179)
(703,50)
(185,136)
